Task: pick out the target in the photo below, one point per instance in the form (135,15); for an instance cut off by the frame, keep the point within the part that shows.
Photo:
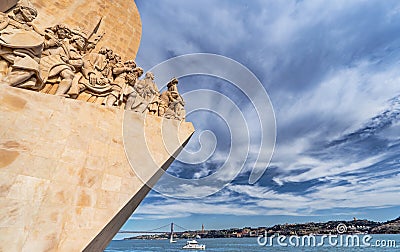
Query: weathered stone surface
(121,20)
(66,183)
(5,5)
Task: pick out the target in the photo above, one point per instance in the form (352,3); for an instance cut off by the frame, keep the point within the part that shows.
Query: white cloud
(240,200)
(329,67)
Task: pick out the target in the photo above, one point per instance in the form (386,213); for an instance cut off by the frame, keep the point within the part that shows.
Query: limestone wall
(121,20)
(65,181)
(6,4)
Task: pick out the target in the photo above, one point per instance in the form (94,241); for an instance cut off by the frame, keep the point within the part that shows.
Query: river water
(377,243)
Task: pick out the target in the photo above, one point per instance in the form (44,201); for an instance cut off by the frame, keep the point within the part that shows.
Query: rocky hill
(389,227)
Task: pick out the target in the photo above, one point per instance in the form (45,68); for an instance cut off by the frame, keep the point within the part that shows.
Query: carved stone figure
(22,16)
(20,48)
(149,87)
(63,58)
(172,103)
(60,60)
(134,100)
(163,103)
(149,91)
(54,37)
(94,81)
(120,71)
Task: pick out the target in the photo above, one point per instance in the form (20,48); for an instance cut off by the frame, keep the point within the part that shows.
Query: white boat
(193,244)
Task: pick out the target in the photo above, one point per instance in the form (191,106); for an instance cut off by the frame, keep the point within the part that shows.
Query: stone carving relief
(172,104)
(21,45)
(63,61)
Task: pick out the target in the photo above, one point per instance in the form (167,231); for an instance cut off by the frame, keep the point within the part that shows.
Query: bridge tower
(171,239)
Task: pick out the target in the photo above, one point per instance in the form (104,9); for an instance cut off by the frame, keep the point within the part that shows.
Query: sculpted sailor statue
(21,45)
(172,103)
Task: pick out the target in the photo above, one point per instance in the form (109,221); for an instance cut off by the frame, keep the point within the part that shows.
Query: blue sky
(332,72)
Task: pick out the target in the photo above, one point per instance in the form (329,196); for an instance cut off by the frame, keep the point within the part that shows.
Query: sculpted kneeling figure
(172,103)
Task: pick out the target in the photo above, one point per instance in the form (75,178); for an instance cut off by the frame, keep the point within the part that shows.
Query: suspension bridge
(168,228)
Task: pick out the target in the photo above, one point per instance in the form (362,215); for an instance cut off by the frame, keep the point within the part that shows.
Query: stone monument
(71,108)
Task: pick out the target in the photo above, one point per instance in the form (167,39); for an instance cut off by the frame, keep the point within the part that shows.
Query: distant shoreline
(321,228)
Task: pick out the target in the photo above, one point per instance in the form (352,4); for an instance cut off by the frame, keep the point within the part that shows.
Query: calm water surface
(246,244)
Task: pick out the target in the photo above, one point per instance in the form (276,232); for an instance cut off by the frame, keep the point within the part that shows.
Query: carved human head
(172,82)
(150,75)
(138,71)
(79,38)
(25,11)
(62,31)
(130,63)
(116,57)
(108,52)
(104,50)
(79,42)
